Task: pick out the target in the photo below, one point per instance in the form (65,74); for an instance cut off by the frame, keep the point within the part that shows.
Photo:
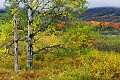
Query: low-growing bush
(108,43)
(92,66)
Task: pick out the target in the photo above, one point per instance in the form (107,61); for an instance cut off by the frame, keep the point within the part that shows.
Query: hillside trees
(37,16)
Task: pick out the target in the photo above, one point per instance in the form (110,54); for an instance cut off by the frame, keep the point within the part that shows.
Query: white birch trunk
(29,54)
(16,45)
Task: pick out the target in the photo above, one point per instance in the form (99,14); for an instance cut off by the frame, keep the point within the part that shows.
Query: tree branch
(54,46)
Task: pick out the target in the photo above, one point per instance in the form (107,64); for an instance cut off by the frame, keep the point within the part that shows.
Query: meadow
(46,40)
(73,60)
(92,66)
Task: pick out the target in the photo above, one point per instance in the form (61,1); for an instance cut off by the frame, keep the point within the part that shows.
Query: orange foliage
(102,23)
(96,24)
(89,22)
(63,22)
(117,25)
(59,26)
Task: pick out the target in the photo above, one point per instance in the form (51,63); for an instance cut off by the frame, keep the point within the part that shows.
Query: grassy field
(95,65)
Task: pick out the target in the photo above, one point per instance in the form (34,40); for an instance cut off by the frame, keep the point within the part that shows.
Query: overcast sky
(1,3)
(102,3)
(92,3)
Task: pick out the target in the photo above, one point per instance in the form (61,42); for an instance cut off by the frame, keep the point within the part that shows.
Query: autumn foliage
(103,25)
(97,25)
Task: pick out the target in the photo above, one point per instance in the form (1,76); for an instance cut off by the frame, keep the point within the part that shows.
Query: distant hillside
(2,11)
(110,14)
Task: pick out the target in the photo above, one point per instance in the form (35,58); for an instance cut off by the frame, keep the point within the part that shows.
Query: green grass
(93,66)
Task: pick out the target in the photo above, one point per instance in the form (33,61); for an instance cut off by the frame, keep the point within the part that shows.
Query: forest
(58,40)
(108,14)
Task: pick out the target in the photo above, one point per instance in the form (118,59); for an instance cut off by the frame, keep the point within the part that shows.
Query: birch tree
(29,53)
(16,45)
(41,14)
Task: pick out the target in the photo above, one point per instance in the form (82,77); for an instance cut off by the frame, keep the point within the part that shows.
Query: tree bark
(16,45)
(29,53)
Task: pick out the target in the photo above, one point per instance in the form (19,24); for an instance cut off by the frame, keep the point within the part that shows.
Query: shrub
(108,43)
(79,36)
(92,66)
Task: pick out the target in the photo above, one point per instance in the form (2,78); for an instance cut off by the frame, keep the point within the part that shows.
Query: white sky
(92,3)
(1,3)
(102,3)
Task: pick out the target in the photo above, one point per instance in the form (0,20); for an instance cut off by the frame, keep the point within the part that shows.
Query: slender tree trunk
(29,54)
(16,45)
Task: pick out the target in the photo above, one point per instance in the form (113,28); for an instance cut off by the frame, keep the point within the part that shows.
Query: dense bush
(66,39)
(79,36)
(108,43)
